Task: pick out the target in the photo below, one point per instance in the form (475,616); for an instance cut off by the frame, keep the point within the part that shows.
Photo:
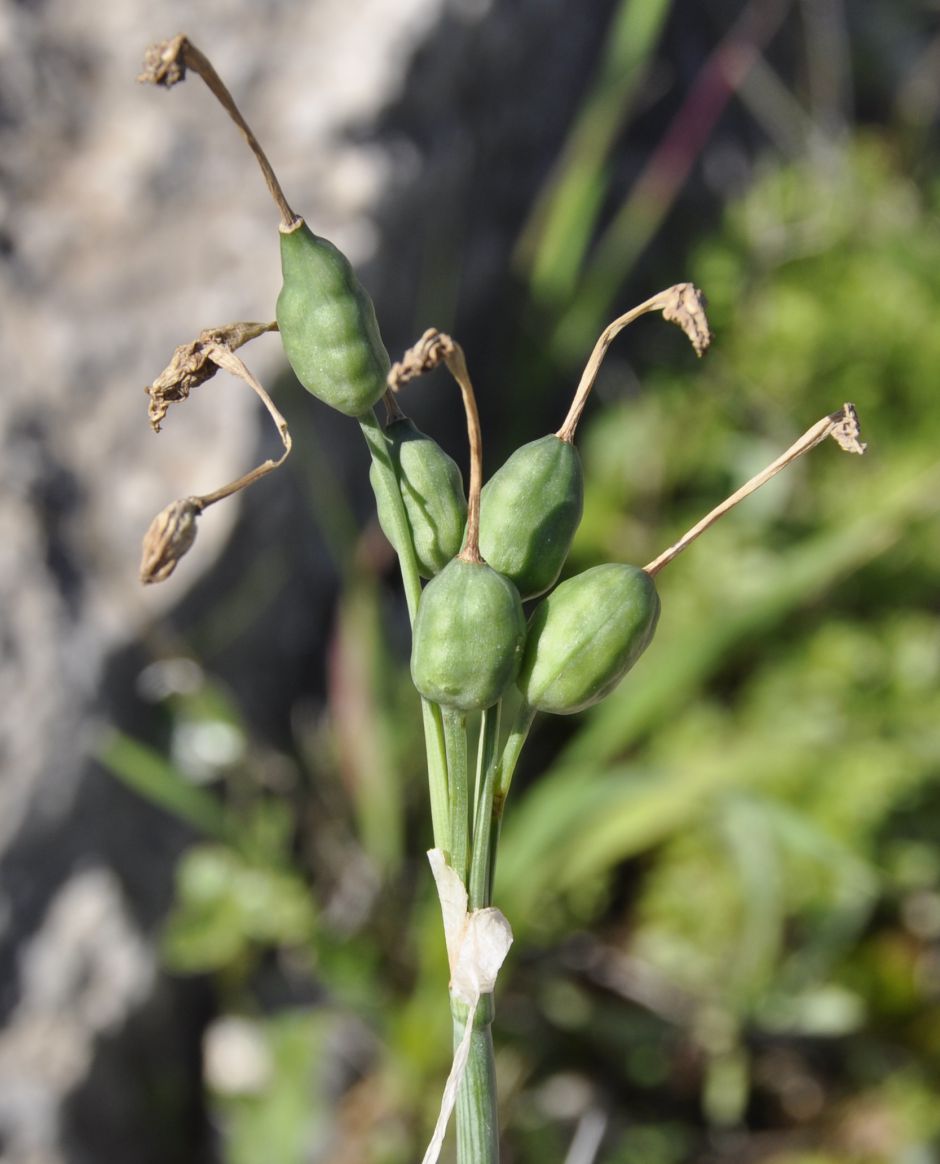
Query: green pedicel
(432,490)
(529,512)
(469,635)
(327,324)
(586,636)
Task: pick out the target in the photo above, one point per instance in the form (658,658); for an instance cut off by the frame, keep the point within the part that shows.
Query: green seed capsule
(468,636)
(432,490)
(327,324)
(585,636)
(529,512)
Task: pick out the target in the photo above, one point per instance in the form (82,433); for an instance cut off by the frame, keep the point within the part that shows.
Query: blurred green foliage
(725,883)
(774,746)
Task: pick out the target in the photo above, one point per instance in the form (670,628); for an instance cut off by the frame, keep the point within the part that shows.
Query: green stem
(477,1119)
(480,886)
(477,1112)
(455,738)
(515,741)
(510,757)
(387,482)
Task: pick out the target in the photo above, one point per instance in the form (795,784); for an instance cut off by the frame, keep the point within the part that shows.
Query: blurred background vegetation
(724,881)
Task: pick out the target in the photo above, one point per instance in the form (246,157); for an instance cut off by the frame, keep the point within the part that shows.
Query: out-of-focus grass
(553,245)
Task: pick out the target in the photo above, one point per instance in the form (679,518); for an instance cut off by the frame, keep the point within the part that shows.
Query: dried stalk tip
(846,431)
(432,348)
(842,426)
(683,304)
(170,535)
(194,363)
(165,63)
(687,309)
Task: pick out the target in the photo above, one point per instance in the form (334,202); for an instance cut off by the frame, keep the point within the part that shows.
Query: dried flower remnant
(846,431)
(432,349)
(686,308)
(165,63)
(196,362)
(171,534)
(173,530)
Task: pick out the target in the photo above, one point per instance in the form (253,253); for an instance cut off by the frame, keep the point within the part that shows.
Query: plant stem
(480,884)
(477,1112)
(387,481)
(489,817)
(455,738)
(510,757)
(477,1118)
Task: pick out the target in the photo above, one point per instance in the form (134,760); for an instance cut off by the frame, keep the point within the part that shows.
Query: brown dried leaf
(171,533)
(687,309)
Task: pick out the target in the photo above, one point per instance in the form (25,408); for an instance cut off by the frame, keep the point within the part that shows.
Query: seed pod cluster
(470,637)
(467,645)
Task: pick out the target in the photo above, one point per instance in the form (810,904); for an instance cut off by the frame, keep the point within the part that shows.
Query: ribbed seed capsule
(469,633)
(327,324)
(585,636)
(529,512)
(432,490)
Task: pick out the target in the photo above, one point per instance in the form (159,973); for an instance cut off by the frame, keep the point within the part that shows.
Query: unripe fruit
(432,490)
(529,512)
(327,324)
(469,633)
(585,636)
